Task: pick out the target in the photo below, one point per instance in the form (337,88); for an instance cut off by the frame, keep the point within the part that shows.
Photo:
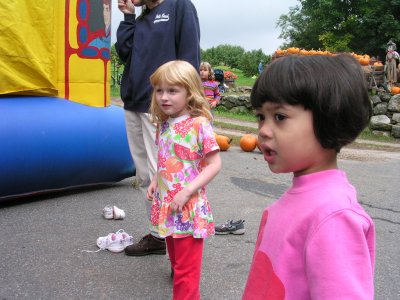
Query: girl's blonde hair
(207,65)
(181,73)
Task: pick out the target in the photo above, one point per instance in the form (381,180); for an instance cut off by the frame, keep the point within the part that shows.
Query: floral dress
(183,143)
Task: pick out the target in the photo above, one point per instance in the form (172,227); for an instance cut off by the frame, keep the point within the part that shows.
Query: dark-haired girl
(316,241)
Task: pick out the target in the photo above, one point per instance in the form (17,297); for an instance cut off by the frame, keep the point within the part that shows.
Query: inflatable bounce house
(57,127)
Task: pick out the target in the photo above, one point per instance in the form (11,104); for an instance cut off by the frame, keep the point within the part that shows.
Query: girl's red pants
(186,256)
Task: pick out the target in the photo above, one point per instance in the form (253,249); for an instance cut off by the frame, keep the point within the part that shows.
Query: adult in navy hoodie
(166,30)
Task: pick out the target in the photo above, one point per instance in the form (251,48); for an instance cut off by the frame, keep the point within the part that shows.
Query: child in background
(211,89)
(188,159)
(316,241)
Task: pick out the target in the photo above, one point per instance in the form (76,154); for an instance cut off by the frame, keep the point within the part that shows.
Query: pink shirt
(315,242)
(211,90)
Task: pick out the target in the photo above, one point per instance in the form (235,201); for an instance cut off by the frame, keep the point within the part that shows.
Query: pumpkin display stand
(374,74)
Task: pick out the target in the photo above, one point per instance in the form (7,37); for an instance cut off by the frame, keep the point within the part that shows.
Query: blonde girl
(211,89)
(188,159)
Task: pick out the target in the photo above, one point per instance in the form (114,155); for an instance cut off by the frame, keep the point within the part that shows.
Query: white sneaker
(119,214)
(127,239)
(113,212)
(108,212)
(115,242)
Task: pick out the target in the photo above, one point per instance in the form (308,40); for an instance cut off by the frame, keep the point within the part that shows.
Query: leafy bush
(226,55)
(250,60)
(235,57)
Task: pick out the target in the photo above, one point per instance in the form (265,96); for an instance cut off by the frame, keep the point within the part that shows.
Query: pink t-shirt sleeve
(339,264)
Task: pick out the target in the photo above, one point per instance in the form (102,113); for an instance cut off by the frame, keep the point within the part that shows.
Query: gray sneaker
(230,227)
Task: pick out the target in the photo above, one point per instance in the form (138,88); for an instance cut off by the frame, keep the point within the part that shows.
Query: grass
(241,80)
(248,117)
(235,127)
(369,136)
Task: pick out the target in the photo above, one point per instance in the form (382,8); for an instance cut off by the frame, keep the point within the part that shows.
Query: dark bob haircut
(332,87)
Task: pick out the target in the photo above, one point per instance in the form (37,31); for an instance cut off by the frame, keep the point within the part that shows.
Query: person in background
(166,30)
(220,78)
(316,241)
(188,159)
(211,89)
(260,67)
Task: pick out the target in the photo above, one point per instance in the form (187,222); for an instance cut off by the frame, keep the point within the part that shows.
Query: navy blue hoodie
(167,32)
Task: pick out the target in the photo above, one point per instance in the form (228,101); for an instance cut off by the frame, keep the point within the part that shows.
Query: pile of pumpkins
(364,60)
(295,50)
(247,143)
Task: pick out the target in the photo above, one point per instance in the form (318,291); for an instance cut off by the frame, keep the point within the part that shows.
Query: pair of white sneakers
(115,242)
(118,241)
(113,212)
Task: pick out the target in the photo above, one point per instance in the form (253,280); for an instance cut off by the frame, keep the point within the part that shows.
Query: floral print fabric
(183,143)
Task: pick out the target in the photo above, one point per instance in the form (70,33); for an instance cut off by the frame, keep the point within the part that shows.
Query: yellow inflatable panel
(59,48)
(28,47)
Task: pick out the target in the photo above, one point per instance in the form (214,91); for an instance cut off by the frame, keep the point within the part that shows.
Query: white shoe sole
(236,232)
(116,248)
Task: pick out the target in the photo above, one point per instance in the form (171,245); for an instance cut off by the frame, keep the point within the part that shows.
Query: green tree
(223,55)
(250,60)
(335,43)
(349,25)
(114,56)
(235,57)
(116,66)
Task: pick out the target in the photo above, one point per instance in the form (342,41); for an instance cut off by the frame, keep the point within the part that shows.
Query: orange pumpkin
(223,142)
(303,52)
(312,52)
(248,142)
(395,90)
(364,61)
(293,50)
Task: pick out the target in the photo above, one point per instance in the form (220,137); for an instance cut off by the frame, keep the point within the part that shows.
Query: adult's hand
(126,6)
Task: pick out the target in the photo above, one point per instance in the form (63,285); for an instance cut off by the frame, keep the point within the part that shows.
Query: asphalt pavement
(42,238)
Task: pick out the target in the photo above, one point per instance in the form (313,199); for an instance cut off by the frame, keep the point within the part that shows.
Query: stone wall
(386,109)
(386,114)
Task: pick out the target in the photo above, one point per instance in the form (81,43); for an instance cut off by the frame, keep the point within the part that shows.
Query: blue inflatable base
(49,144)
